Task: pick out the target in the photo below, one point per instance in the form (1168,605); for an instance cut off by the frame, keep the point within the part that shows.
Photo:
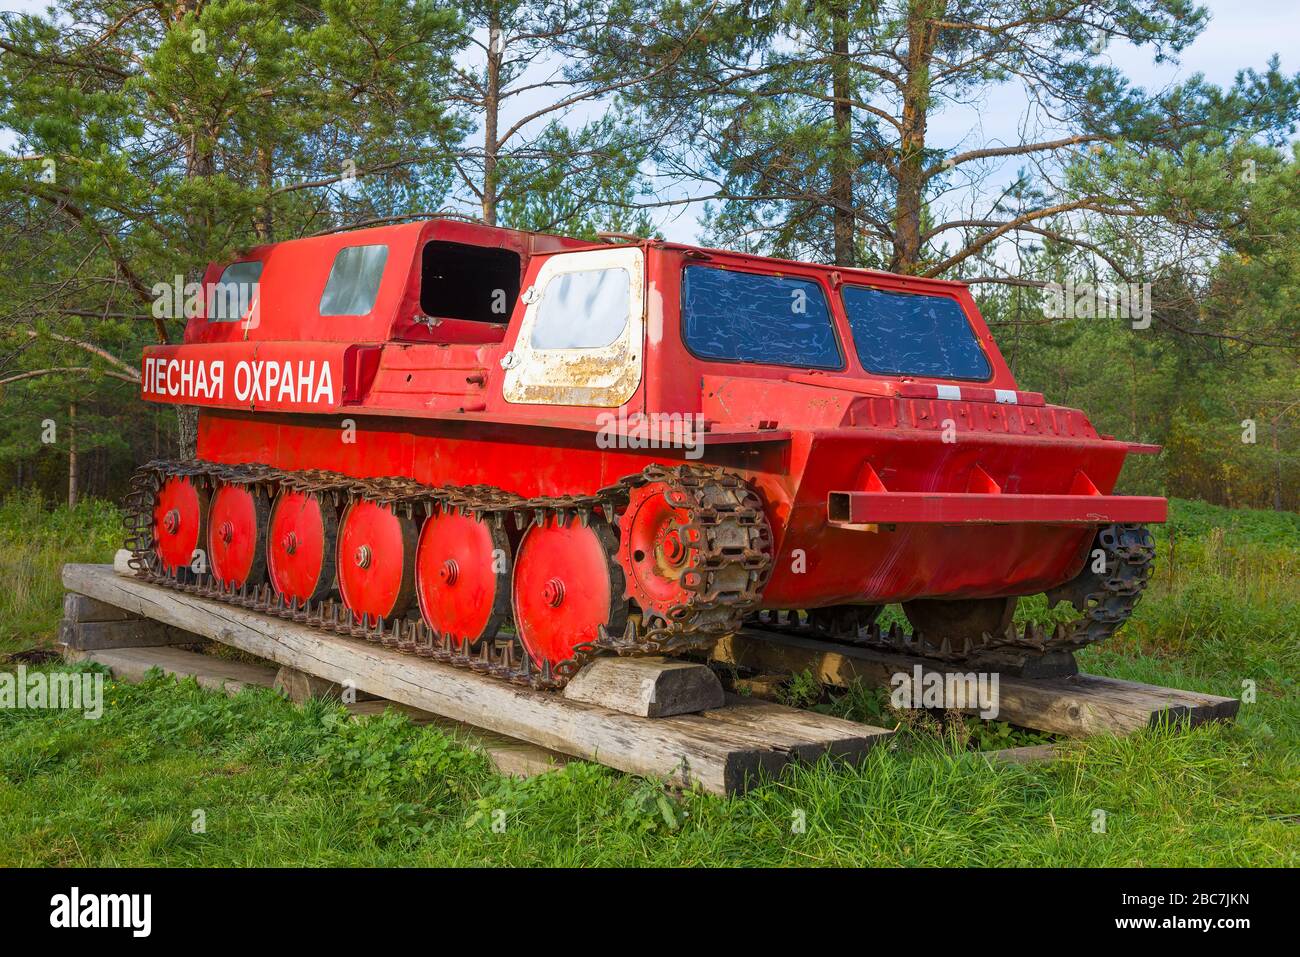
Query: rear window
(749,317)
(906,334)
(354,281)
(234,293)
(476,283)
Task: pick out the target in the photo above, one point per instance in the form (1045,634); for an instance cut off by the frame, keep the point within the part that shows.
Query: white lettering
(325,386)
(288,384)
(243,381)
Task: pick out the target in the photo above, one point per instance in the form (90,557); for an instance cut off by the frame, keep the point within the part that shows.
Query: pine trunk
(842,168)
(187,430)
(911,153)
(72,455)
(491,108)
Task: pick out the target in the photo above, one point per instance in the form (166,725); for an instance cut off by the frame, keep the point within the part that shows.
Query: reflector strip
(970,393)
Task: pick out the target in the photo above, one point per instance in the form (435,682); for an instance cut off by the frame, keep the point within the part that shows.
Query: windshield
(751,317)
(907,334)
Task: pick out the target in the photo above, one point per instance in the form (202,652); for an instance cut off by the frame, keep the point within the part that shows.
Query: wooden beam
(215,674)
(1029,754)
(1076,706)
(298,687)
(708,750)
(647,687)
(79,608)
(128,633)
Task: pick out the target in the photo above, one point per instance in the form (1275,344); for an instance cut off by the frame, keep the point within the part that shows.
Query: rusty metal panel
(605,375)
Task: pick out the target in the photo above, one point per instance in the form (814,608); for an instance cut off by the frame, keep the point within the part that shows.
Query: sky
(1241,33)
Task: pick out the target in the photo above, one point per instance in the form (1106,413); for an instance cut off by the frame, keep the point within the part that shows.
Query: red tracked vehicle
(514,451)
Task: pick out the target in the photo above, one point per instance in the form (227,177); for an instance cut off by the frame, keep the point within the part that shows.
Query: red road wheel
(179,523)
(376,561)
(237,521)
(300,546)
(659,548)
(462,576)
(566,585)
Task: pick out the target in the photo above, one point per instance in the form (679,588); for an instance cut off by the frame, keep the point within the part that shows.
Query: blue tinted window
(905,334)
(746,317)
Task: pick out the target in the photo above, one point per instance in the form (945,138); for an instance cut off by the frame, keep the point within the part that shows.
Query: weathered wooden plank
(298,686)
(648,687)
(1077,705)
(214,674)
(1029,754)
(805,735)
(79,608)
(129,633)
(685,750)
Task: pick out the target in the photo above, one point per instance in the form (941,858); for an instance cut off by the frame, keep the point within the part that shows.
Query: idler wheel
(179,524)
(300,545)
(376,561)
(237,523)
(566,586)
(957,619)
(462,576)
(659,547)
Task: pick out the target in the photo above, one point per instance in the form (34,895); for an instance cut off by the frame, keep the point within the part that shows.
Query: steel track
(723,508)
(1105,600)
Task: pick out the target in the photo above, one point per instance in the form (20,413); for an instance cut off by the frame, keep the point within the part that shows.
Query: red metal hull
(816,563)
(878,486)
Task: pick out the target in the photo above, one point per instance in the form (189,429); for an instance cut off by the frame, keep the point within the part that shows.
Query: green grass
(35,542)
(282,785)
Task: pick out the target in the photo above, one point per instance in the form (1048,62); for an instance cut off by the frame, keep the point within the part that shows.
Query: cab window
(752,317)
(583,310)
(475,283)
(354,281)
(903,333)
(235,292)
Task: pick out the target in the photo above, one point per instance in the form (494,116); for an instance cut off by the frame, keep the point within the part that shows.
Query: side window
(475,283)
(903,333)
(751,317)
(583,310)
(581,336)
(354,281)
(235,292)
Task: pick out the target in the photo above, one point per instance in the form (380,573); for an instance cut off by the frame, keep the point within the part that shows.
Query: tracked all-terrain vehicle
(514,451)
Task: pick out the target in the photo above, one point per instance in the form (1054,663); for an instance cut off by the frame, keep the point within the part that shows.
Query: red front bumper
(979,508)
